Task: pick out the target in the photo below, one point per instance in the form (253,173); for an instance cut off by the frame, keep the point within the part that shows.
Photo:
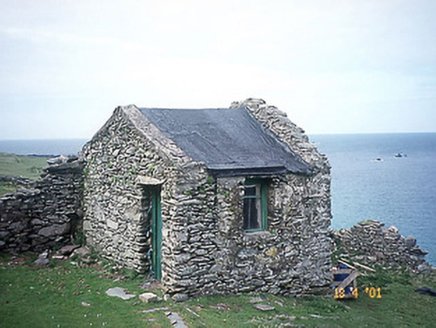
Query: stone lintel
(148,181)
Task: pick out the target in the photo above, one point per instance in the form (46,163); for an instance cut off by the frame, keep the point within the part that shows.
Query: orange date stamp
(350,292)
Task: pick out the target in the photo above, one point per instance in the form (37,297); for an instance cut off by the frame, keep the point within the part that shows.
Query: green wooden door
(156,233)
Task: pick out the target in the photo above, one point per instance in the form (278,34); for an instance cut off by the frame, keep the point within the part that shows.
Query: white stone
(148,297)
(119,292)
(264,307)
(112,224)
(148,181)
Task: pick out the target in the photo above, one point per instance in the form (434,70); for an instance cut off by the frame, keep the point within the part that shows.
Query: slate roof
(230,142)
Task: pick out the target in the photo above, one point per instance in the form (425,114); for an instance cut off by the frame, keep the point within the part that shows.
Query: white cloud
(44,37)
(322,62)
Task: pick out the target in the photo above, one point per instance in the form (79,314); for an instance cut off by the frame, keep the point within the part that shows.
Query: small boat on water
(399,155)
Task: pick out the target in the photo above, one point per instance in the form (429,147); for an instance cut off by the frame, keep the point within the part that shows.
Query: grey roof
(229,141)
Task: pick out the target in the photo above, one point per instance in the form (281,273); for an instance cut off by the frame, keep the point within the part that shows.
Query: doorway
(152,229)
(156,232)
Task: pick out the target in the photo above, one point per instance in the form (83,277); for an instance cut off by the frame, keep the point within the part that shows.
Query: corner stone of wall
(46,213)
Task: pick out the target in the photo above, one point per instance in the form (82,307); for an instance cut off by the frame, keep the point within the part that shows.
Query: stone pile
(373,243)
(47,212)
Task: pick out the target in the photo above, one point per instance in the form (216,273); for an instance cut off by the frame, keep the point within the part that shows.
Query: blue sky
(333,66)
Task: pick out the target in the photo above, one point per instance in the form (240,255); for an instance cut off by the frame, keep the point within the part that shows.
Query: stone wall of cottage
(115,222)
(190,241)
(371,242)
(291,257)
(213,255)
(46,213)
(117,200)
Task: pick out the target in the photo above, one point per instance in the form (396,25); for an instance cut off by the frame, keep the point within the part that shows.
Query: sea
(385,177)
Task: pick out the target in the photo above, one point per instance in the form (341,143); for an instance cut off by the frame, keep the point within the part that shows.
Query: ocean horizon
(40,147)
(389,177)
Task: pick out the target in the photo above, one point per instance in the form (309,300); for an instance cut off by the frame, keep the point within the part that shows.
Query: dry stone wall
(290,257)
(373,243)
(17,181)
(46,213)
(211,253)
(289,133)
(190,242)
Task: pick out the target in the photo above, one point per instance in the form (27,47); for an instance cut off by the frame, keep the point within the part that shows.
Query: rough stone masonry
(204,247)
(373,243)
(46,213)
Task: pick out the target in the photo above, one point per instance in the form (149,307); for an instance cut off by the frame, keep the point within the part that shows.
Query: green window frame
(255,205)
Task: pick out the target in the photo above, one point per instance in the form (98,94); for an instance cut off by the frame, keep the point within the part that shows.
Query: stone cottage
(210,200)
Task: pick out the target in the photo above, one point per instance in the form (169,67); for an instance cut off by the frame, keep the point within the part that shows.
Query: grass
(52,296)
(25,166)
(19,166)
(7,187)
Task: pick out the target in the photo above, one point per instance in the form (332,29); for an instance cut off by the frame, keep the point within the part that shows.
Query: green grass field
(53,296)
(24,166)
(19,166)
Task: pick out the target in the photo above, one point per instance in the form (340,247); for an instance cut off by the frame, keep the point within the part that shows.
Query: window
(255,205)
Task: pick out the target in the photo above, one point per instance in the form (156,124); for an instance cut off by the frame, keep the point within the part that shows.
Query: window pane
(252,213)
(250,190)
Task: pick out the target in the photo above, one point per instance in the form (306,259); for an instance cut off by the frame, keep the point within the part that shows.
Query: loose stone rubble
(204,247)
(372,243)
(46,213)
(148,297)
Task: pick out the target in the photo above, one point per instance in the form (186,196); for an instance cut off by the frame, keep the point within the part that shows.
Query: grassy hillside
(24,166)
(66,295)
(19,166)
